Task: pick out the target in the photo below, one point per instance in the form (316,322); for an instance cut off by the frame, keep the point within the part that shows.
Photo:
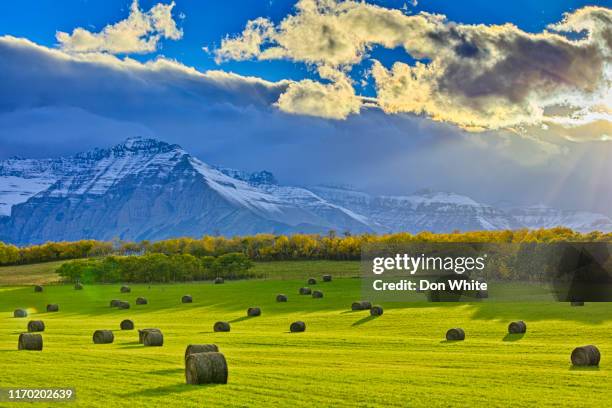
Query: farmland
(344,358)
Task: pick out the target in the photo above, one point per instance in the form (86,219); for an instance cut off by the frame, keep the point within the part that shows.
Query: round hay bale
(30,341)
(52,308)
(219,280)
(317,294)
(141,301)
(312,281)
(206,368)
(376,311)
(187,299)
(78,286)
(517,327)
(305,291)
(221,327)
(103,337)
(482,294)
(455,334)
(115,303)
(577,303)
(125,289)
(253,311)
(142,333)
(36,326)
(327,278)
(123,305)
(127,325)
(586,356)
(281,298)
(361,305)
(20,313)
(38,288)
(200,348)
(153,339)
(297,327)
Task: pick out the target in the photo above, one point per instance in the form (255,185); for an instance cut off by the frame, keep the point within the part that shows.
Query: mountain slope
(423,211)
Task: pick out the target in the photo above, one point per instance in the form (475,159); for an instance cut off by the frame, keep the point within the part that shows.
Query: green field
(344,358)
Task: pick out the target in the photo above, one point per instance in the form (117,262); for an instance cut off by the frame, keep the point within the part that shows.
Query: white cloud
(335,100)
(140,32)
(475,76)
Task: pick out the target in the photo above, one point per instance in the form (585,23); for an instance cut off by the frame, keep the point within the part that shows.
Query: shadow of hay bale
(240,319)
(364,320)
(513,337)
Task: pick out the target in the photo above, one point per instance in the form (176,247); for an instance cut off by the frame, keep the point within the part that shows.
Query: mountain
(422,211)
(541,216)
(148,189)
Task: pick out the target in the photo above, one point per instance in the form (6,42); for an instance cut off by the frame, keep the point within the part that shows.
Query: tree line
(151,268)
(269,247)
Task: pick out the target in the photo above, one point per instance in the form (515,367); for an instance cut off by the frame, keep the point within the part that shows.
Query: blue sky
(518,114)
(205,23)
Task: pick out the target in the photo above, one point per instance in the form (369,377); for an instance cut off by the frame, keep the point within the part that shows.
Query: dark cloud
(53,104)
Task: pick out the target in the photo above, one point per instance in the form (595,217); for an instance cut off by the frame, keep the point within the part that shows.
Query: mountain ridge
(149,189)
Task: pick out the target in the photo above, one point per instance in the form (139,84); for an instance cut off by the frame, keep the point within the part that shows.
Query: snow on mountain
(541,216)
(20,179)
(148,189)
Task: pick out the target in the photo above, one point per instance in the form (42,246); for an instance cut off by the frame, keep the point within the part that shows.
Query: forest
(269,247)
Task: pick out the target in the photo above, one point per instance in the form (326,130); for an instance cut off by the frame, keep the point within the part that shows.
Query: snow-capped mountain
(541,216)
(148,189)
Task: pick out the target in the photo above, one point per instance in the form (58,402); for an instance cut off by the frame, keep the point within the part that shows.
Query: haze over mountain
(149,189)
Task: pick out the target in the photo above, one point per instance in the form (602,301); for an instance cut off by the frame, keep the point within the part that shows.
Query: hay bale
(455,334)
(586,356)
(281,298)
(142,334)
(376,311)
(482,294)
(517,327)
(577,303)
(200,348)
(127,325)
(305,291)
(297,327)
(141,301)
(206,368)
(221,327)
(115,303)
(78,286)
(20,313)
(123,305)
(53,308)
(125,289)
(253,311)
(103,337)
(327,278)
(312,281)
(30,341)
(219,280)
(153,339)
(361,305)
(187,299)
(36,326)
(317,294)
(38,288)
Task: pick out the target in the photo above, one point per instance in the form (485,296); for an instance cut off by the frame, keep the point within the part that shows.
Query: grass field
(344,358)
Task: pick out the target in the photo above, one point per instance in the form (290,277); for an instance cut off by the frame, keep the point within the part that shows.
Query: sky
(507,102)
